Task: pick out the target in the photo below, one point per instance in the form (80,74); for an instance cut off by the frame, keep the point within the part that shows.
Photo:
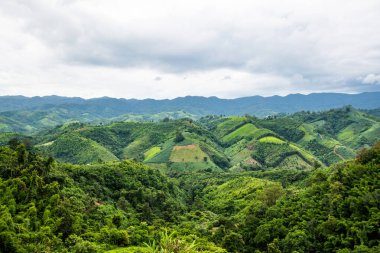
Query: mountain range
(32,114)
(255,105)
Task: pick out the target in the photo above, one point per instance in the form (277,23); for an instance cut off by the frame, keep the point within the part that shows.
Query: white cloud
(119,48)
(372,79)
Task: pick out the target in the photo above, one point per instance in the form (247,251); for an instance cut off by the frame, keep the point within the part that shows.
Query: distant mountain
(31,114)
(256,105)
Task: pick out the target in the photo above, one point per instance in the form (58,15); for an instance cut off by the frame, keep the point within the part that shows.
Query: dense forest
(47,206)
(306,182)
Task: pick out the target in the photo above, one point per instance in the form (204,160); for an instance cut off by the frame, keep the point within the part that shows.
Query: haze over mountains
(31,114)
(255,105)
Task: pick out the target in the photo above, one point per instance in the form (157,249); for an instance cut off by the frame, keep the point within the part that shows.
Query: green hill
(303,140)
(150,142)
(76,149)
(336,134)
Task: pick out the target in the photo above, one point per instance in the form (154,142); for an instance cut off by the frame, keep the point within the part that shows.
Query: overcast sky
(171,48)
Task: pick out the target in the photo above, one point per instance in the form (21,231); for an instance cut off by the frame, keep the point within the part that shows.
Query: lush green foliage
(47,207)
(125,206)
(336,209)
(220,184)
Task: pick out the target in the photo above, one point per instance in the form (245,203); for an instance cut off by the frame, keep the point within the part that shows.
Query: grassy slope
(151,152)
(229,125)
(271,139)
(247,130)
(188,153)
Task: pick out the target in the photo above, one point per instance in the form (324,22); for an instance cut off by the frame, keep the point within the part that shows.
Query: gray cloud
(295,46)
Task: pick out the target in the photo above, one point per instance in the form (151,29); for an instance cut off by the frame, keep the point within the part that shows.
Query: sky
(172,48)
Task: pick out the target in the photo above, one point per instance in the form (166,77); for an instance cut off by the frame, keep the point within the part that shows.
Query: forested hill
(259,106)
(126,207)
(303,140)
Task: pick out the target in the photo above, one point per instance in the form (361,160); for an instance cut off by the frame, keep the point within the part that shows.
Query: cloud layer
(164,49)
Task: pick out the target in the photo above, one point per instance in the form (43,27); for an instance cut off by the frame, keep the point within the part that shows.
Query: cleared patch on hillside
(188,153)
(271,139)
(164,155)
(45,144)
(151,152)
(229,125)
(248,130)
